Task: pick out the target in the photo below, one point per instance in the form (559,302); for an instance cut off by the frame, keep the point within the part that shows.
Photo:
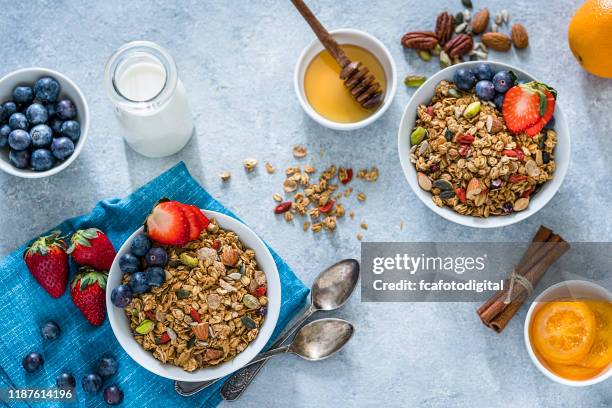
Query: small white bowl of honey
(322,93)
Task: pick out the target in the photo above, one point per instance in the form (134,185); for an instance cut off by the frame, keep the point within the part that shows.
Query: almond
(519,36)
(496,41)
(493,125)
(229,256)
(474,188)
(480,21)
(201,331)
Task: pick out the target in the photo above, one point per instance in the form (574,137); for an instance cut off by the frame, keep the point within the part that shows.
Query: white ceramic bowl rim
(83,117)
(391,80)
(122,330)
(549,189)
(602,293)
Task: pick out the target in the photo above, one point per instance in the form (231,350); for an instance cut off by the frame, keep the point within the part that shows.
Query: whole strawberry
(91,247)
(47,261)
(88,294)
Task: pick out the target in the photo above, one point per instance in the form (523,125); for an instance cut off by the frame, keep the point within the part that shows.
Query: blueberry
(33,362)
(121,296)
(496,184)
(156,257)
(19,158)
(507,208)
(5,130)
(47,89)
(42,160)
(65,381)
(56,125)
(71,129)
(545,157)
(549,125)
(18,121)
(499,100)
(65,109)
(41,135)
(36,114)
(155,275)
(138,282)
(91,383)
(50,330)
(128,263)
(485,90)
(23,94)
(62,147)
(107,366)
(503,81)
(8,108)
(19,139)
(483,71)
(464,79)
(113,395)
(140,245)
(51,111)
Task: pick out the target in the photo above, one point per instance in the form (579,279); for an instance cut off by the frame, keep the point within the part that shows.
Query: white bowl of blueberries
(44,121)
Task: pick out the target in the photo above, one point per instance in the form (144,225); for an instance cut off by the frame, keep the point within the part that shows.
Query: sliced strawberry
(204,221)
(195,225)
(536,128)
(521,108)
(168,224)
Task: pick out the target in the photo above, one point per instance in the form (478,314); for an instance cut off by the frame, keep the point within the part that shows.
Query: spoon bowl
(334,286)
(322,338)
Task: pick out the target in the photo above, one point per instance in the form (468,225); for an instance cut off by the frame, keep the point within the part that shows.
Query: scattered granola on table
(210,306)
(468,158)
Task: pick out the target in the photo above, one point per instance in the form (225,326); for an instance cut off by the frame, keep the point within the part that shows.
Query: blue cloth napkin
(26,306)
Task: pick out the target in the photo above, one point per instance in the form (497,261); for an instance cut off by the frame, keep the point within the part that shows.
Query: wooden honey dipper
(360,82)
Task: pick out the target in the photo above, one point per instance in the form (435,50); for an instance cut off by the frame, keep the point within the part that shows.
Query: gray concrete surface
(236,60)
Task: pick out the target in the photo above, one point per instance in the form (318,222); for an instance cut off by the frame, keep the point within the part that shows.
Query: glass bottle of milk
(150,100)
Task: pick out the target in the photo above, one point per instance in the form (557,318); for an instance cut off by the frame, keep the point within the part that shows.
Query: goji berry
(347,177)
(430,111)
(259,292)
(150,315)
(163,339)
(195,315)
(517,178)
(509,153)
(216,244)
(282,207)
(465,138)
(461,195)
(464,150)
(327,207)
(519,153)
(527,192)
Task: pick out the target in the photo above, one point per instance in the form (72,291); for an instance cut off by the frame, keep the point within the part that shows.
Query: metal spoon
(330,290)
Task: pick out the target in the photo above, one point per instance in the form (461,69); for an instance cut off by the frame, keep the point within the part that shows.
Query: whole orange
(590,37)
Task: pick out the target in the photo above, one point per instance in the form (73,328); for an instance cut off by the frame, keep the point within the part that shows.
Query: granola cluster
(210,307)
(471,162)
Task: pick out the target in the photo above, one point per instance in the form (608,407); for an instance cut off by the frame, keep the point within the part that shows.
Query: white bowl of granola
(201,282)
(498,204)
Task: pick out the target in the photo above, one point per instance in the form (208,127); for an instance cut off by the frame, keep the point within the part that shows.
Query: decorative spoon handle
(240,380)
(323,35)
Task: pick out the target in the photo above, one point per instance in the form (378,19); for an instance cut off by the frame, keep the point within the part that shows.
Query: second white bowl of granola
(182,357)
(443,188)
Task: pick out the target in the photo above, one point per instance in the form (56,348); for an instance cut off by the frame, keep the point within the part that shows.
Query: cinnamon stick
(545,249)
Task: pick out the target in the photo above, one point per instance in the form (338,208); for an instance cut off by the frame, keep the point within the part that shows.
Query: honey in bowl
(326,92)
(573,338)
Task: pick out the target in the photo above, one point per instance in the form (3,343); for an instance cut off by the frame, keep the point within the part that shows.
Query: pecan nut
(445,24)
(459,46)
(420,40)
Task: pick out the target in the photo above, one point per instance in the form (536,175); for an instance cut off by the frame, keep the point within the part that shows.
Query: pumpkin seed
(188,261)
(424,181)
(448,134)
(417,135)
(443,184)
(250,301)
(424,55)
(472,110)
(467,3)
(145,327)
(191,342)
(182,294)
(454,93)
(414,81)
(458,18)
(447,194)
(248,322)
